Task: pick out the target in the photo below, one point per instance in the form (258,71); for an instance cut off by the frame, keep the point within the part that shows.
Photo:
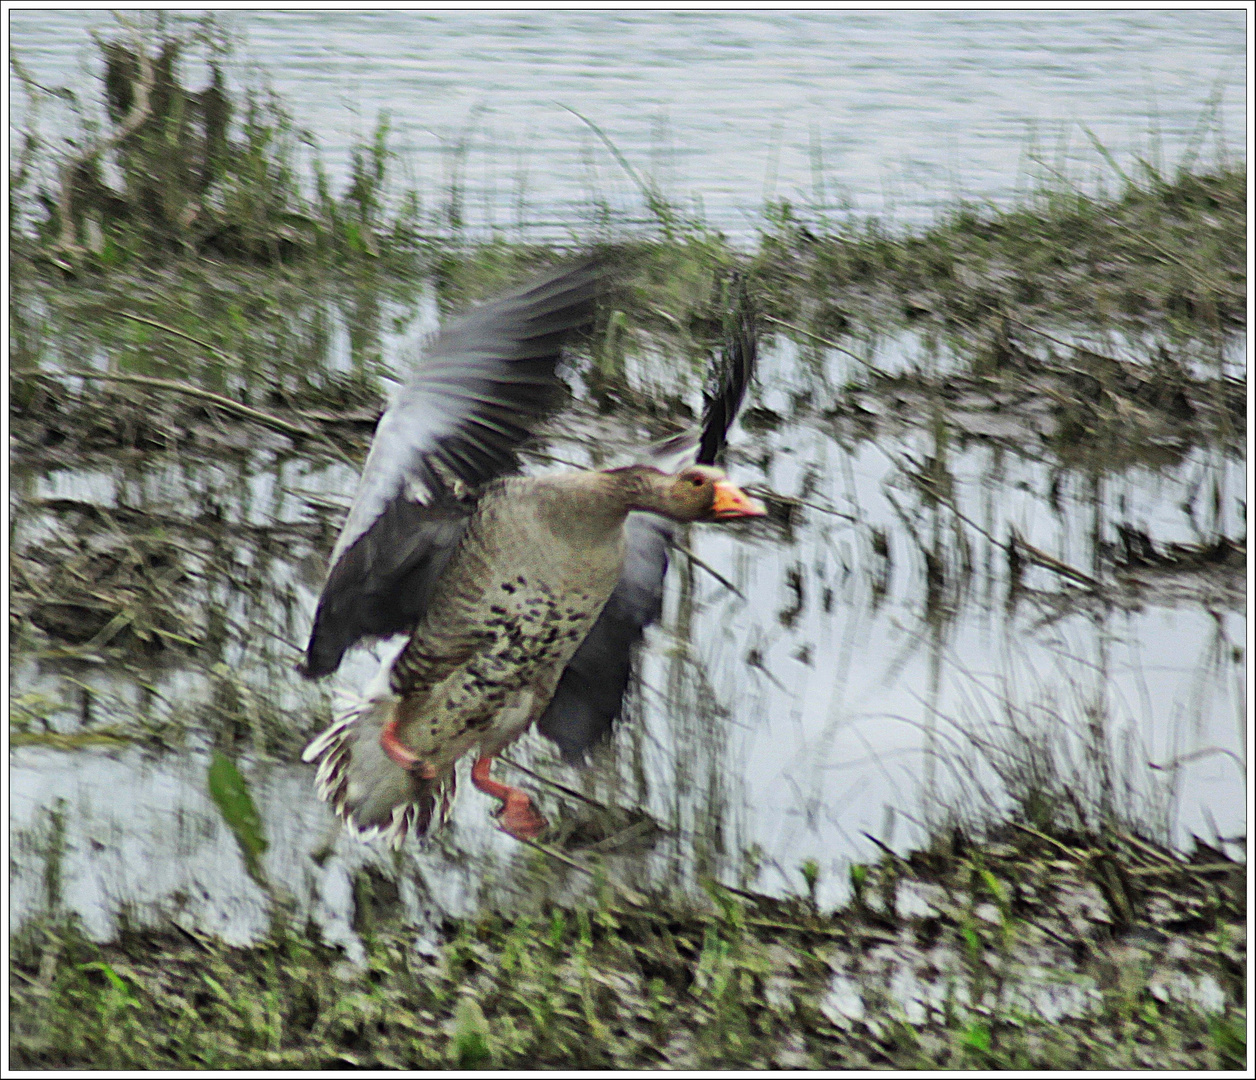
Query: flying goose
(523,595)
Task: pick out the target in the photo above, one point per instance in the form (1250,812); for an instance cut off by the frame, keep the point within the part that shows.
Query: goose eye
(697,481)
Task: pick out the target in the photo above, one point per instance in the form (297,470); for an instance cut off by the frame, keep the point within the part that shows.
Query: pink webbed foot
(517,816)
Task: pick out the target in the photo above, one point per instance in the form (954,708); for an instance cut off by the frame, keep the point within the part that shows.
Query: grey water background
(830,699)
(895,113)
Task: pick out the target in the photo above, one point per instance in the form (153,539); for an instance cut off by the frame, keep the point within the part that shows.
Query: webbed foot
(517,816)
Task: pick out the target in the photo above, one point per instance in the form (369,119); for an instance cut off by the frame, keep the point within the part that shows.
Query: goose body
(531,575)
(504,594)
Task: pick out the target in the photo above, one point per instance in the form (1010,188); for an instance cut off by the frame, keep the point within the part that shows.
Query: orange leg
(518,816)
(402,754)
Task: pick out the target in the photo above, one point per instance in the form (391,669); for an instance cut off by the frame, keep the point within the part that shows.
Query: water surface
(871,669)
(861,668)
(886,112)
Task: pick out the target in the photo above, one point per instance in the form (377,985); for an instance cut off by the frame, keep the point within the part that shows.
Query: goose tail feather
(374,796)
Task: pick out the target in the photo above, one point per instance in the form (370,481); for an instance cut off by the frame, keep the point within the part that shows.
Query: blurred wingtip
(733,371)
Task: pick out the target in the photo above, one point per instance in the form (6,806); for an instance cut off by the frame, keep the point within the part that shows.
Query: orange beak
(732,502)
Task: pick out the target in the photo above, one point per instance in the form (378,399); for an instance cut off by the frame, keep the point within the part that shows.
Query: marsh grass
(157,171)
(1058,313)
(244,272)
(952,975)
(1166,255)
(254,280)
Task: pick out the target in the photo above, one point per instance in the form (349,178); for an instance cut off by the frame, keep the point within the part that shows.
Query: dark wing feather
(477,393)
(382,583)
(590,693)
(731,377)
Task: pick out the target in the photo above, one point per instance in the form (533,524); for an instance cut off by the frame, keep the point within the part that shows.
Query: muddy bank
(1020,951)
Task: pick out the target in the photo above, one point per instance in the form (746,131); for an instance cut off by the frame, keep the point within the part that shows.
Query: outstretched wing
(590,693)
(476,394)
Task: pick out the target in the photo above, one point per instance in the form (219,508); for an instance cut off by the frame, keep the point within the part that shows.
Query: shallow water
(844,689)
(877,663)
(885,112)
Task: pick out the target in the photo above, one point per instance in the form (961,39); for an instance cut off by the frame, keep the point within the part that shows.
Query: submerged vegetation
(197,312)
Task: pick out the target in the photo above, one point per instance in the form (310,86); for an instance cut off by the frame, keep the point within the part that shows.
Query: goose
(522,596)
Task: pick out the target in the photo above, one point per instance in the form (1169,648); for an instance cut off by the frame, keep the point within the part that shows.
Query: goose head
(696,493)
